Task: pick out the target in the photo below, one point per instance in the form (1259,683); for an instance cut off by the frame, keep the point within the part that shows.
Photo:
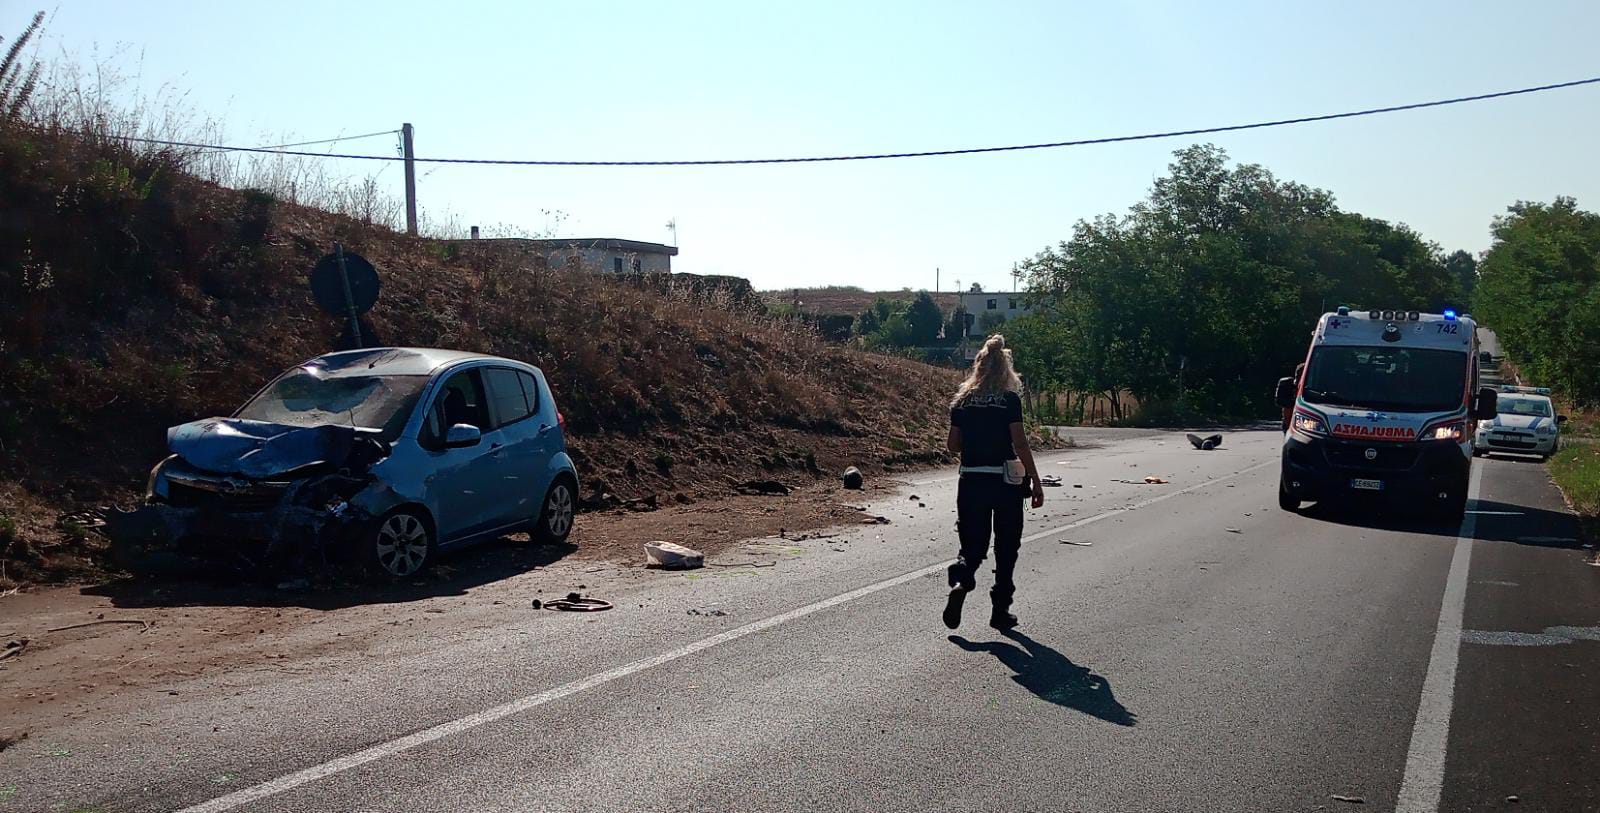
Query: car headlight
(1448,431)
(1309,424)
(1546,430)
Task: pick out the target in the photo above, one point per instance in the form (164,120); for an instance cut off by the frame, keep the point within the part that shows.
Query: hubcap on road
(402,544)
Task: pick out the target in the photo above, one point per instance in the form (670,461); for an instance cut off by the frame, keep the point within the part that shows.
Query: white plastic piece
(672,556)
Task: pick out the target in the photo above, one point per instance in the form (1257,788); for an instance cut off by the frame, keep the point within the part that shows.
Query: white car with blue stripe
(1527,424)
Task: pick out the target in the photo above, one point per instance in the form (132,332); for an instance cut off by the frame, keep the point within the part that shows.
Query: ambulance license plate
(1367,485)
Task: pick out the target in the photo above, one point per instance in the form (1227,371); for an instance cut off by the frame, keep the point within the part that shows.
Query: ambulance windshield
(1387,378)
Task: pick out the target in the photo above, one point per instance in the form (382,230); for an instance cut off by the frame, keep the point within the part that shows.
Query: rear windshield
(1537,407)
(1386,378)
(301,397)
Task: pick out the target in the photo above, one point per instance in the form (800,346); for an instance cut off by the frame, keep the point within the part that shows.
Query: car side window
(505,391)
(530,388)
(460,400)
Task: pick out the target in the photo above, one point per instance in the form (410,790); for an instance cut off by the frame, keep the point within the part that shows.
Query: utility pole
(936,279)
(411,179)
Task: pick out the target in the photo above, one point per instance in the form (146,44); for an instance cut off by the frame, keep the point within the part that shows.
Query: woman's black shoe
(1002,620)
(952,608)
(961,576)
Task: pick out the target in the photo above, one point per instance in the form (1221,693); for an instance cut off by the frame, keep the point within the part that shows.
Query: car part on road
(672,556)
(1206,443)
(853,479)
(575,603)
(14,648)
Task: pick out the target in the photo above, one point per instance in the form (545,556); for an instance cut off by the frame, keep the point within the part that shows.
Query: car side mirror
(1484,358)
(1285,393)
(1486,405)
(462,435)
(1561,419)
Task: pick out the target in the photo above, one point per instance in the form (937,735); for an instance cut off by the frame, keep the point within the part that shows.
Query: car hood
(1507,420)
(259,449)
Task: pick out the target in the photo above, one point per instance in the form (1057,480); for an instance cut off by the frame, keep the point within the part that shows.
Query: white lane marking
(500,712)
(1152,501)
(1423,783)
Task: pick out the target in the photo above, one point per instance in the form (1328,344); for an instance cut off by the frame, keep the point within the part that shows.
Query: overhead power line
(280,147)
(922,154)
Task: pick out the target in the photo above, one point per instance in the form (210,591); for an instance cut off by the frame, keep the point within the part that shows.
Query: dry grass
(136,294)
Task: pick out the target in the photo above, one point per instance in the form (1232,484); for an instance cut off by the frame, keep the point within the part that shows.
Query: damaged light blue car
(389,454)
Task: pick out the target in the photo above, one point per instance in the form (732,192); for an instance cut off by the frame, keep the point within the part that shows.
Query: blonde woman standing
(997,474)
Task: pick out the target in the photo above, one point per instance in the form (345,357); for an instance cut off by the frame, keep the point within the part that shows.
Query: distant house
(603,255)
(1004,305)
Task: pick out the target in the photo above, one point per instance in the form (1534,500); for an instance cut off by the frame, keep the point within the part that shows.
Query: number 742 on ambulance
(1384,410)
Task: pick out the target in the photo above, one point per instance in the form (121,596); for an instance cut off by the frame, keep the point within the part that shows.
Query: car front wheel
(401,545)
(559,511)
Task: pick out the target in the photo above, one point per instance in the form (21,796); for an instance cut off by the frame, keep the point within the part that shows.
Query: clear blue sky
(597,80)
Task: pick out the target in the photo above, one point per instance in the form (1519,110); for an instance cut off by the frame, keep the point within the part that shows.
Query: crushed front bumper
(1517,442)
(270,524)
(1415,474)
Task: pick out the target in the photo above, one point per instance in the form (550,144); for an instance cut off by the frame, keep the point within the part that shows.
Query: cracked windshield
(1129,407)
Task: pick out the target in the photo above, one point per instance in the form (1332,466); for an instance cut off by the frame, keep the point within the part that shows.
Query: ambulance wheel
(1286,500)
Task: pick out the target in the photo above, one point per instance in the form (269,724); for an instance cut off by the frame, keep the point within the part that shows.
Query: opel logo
(1372,454)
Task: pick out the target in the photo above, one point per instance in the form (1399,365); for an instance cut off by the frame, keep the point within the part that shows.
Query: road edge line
(1422,784)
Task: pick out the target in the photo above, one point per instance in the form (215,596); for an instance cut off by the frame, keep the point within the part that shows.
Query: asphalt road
(1199,649)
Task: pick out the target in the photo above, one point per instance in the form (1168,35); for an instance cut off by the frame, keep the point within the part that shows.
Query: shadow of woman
(1052,677)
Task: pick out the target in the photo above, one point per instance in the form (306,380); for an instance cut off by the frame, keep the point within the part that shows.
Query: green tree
(1539,289)
(1221,270)
(1463,267)
(924,318)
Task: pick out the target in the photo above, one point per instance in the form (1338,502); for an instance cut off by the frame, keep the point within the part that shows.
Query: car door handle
(494,450)
(545,430)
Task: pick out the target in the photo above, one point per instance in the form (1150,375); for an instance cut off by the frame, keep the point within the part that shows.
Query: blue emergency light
(1449,315)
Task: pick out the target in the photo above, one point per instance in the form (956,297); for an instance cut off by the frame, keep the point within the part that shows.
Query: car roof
(1524,396)
(397,361)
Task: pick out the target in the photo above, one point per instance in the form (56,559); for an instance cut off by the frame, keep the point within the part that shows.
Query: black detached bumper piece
(1416,474)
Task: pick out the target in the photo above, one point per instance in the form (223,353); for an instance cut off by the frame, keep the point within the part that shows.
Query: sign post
(344,284)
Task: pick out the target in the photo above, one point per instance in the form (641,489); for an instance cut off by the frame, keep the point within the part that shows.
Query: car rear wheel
(558,514)
(401,544)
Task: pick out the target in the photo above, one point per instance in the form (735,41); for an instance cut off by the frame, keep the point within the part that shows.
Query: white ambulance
(1385,409)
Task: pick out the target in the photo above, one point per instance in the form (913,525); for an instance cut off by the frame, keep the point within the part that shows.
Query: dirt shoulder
(93,649)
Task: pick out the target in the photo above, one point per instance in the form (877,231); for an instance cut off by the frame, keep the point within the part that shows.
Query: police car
(1527,424)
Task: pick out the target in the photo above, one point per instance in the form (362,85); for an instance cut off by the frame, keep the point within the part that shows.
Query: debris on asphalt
(538,605)
(852,478)
(875,521)
(1154,480)
(914,498)
(1512,799)
(1206,443)
(1077,485)
(1077,542)
(672,556)
(575,603)
(8,740)
(14,648)
(1355,800)
(1051,480)
(1234,530)
(144,628)
(714,612)
(764,488)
